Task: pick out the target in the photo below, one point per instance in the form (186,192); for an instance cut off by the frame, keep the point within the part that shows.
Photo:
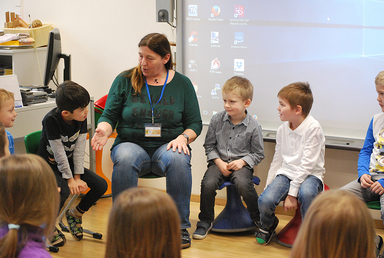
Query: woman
(157,115)
(337,225)
(139,218)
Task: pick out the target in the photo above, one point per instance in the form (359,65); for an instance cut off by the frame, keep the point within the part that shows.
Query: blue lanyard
(161,95)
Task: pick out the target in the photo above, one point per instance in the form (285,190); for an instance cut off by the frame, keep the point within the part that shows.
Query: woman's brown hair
(159,44)
(29,198)
(143,223)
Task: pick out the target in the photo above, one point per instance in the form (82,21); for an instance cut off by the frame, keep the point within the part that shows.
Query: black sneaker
(202,229)
(379,245)
(58,238)
(264,236)
(185,239)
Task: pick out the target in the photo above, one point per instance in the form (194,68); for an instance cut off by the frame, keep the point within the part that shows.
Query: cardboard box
(39,34)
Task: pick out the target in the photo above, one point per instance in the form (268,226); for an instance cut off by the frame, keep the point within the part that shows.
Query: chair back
(32,141)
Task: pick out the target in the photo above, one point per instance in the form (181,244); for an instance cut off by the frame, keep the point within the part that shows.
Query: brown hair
(143,223)
(298,93)
(159,44)
(380,78)
(3,139)
(29,198)
(240,86)
(5,95)
(333,228)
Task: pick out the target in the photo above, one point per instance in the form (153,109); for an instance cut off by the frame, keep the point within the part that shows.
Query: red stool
(287,235)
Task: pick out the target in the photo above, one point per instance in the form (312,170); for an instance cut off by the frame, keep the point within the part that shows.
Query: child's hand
(290,203)
(82,185)
(223,167)
(236,164)
(366,181)
(75,187)
(377,188)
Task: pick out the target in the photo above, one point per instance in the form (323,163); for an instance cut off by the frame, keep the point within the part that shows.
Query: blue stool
(234,217)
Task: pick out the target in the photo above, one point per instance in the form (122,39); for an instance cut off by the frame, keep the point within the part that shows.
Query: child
(143,223)
(297,168)
(370,167)
(4,143)
(62,145)
(29,206)
(8,114)
(333,227)
(233,145)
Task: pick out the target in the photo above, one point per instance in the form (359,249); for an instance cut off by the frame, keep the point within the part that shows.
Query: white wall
(102,39)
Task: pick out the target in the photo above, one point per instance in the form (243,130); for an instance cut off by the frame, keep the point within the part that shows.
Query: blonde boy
(297,168)
(369,185)
(233,145)
(8,114)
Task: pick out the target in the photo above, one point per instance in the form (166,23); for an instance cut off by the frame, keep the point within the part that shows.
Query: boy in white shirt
(297,168)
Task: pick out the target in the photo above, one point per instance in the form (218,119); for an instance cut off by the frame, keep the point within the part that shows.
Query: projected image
(335,45)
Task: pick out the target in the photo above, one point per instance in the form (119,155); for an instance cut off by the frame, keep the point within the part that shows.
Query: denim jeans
(130,161)
(277,191)
(213,179)
(366,194)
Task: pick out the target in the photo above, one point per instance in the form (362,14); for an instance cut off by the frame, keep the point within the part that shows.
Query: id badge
(152,130)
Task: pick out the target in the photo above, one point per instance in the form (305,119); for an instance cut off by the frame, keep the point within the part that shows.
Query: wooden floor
(214,245)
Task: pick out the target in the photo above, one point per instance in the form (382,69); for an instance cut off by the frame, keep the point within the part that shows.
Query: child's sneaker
(202,230)
(75,227)
(58,238)
(264,236)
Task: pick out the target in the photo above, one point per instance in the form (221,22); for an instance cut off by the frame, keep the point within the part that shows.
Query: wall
(102,39)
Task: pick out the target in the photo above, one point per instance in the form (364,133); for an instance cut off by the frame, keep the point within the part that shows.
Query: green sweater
(177,110)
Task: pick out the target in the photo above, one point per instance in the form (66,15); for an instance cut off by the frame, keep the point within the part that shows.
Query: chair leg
(66,228)
(286,237)
(234,217)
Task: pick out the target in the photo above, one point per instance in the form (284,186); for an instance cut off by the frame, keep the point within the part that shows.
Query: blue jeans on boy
(130,161)
(278,190)
(213,179)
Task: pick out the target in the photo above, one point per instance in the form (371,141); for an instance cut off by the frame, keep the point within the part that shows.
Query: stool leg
(234,217)
(287,235)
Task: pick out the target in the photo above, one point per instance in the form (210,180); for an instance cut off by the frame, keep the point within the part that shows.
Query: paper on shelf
(10,83)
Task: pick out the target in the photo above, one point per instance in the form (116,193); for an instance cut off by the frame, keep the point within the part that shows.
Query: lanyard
(149,96)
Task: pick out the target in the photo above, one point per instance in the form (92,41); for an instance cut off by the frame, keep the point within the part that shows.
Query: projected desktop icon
(192,10)
(215,64)
(193,37)
(214,37)
(239,38)
(239,11)
(239,65)
(215,11)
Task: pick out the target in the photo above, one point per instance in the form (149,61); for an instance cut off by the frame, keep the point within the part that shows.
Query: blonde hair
(5,95)
(298,93)
(3,139)
(143,223)
(159,44)
(29,198)
(333,228)
(380,78)
(240,86)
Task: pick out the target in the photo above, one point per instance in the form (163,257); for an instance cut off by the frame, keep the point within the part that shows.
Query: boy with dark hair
(297,168)
(233,145)
(62,145)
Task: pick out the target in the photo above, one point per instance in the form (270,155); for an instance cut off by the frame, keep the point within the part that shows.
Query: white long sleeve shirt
(298,153)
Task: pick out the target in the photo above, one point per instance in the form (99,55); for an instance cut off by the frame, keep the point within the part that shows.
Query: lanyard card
(152,130)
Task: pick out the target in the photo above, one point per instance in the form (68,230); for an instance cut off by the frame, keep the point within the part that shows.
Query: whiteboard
(334,45)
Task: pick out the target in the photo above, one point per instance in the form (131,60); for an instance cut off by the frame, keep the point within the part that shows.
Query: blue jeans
(277,191)
(130,161)
(213,179)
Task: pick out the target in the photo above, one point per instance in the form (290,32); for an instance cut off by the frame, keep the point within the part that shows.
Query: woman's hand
(179,143)
(99,139)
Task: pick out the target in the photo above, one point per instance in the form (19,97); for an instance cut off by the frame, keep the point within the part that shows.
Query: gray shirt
(231,142)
